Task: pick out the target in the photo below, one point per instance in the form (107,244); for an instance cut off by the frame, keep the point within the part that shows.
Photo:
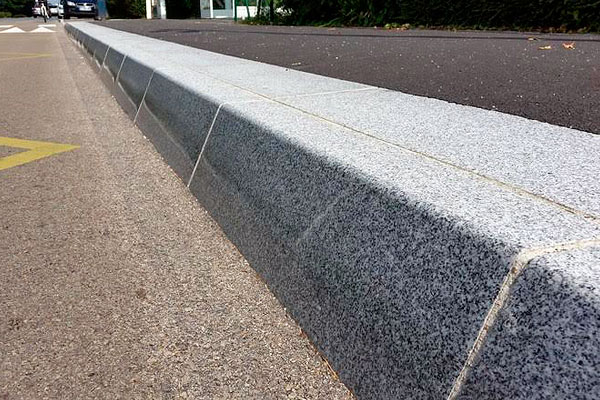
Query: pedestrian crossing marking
(36,150)
(42,28)
(14,29)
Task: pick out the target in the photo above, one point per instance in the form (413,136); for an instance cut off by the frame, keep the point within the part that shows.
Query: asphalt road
(114,282)
(502,71)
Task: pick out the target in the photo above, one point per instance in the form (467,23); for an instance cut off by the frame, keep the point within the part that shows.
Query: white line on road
(13,30)
(41,29)
(16,29)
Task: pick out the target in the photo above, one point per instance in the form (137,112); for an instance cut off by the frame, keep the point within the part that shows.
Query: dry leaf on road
(545,47)
(569,46)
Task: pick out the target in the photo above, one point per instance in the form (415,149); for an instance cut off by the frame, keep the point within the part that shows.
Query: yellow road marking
(37,150)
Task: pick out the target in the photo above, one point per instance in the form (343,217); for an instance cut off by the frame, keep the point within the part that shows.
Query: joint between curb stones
(212,125)
(120,67)
(144,97)
(104,59)
(519,263)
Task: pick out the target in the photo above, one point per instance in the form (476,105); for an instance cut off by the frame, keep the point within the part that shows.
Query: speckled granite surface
(387,245)
(177,120)
(546,342)
(391,268)
(555,162)
(112,63)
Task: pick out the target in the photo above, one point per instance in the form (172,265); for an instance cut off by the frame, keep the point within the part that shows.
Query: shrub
(126,8)
(21,7)
(181,9)
(564,14)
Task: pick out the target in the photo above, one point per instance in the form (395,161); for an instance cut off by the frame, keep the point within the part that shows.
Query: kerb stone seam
(143,97)
(116,79)
(101,65)
(519,263)
(244,102)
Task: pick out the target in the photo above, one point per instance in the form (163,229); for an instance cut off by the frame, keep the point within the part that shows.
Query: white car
(79,8)
(54,7)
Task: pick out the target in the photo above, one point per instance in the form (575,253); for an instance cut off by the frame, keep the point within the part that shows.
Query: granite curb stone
(347,238)
(558,163)
(552,320)
(177,119)
(389,255)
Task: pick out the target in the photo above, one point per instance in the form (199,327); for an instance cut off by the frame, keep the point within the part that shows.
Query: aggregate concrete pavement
(114,282)
(502,71)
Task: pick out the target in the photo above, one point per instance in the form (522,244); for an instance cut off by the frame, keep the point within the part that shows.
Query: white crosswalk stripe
(39,29)
(14,29)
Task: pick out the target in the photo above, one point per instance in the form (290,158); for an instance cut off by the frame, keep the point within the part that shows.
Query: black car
(79,8)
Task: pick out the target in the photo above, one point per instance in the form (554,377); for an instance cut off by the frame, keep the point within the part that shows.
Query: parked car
(53,6)
(79,8)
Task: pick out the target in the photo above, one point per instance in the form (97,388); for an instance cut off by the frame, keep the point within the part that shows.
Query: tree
(16,7)
(126,8)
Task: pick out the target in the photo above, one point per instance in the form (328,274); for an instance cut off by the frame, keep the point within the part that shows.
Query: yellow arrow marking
(37,150)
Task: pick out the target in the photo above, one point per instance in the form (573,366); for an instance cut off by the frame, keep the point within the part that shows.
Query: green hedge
(126,8)
(137,8)
(564,14)
(180,9)
(16,7)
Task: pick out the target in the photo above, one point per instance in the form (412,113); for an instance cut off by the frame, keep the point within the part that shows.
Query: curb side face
(113,61)
(389,282)
(133,79)
(546,343)
(369,276)
(100,50)
(178,113)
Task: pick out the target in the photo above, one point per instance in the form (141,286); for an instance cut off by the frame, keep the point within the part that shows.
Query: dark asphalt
(494,70)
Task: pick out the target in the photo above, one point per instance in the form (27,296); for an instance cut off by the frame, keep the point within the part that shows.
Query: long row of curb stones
(429,250)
